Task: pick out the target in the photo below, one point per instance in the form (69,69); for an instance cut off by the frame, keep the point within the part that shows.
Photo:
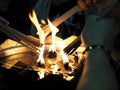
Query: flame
(68,78)
(41,55)
(55,68)
(41,73)
(54,31)
(63,54)
(55,65)
(41,34)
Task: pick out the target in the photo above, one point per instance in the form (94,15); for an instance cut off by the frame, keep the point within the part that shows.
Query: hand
(84,4)
(4,21)
(102,32)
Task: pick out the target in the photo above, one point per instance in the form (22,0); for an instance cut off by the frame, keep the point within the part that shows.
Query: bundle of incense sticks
(19,37)
(24,40)
(63,17)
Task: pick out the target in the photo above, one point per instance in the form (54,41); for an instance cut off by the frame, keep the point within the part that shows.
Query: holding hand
(101,32)
(84,4)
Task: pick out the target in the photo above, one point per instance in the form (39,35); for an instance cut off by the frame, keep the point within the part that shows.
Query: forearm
(97,73)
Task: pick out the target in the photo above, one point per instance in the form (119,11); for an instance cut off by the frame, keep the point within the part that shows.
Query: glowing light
(61,63)
(54,31)
(41,74)
(64,55)
(40,32)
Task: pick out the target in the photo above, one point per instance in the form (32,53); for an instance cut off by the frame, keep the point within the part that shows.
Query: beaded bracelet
(91,47)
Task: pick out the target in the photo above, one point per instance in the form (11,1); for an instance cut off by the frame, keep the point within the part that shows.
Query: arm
(97,72)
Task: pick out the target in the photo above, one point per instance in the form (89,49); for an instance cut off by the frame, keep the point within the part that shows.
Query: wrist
(100,42)
(96,47)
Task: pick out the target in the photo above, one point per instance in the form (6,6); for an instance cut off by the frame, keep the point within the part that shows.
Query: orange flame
(51,66)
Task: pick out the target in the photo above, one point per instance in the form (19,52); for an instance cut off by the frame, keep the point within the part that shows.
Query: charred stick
(72,46)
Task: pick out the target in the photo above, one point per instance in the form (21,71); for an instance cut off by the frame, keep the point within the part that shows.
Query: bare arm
(97,72)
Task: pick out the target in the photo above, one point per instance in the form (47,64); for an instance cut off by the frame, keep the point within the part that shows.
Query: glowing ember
(55,61)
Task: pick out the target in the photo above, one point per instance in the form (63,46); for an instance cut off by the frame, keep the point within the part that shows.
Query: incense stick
(76,43)
(19,37)
(23,39)
(72,46)
(62,18)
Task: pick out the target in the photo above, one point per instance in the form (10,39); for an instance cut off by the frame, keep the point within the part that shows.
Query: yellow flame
(55,68)
(41,35)
(54,31)
(68,78)
(33,18)
(41,74)
(63,54)
(41,55)
(51,65)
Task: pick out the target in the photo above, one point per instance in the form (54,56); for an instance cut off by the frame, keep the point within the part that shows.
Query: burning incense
(62,18)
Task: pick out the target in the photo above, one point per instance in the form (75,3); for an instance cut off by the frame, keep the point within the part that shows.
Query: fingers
(84,4)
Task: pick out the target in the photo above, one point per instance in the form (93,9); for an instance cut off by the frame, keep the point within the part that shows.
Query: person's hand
(101,32)
(4,21)
(84,4)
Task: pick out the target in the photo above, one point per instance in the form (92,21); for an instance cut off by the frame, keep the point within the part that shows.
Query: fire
(41,35)
(41,74)
(54,31)
(35,21)
(54,61)
(63,54)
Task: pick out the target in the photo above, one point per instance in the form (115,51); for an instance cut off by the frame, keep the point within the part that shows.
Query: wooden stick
(76,43)
(19,37)
(62,18)
(23,39)
(72,46)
